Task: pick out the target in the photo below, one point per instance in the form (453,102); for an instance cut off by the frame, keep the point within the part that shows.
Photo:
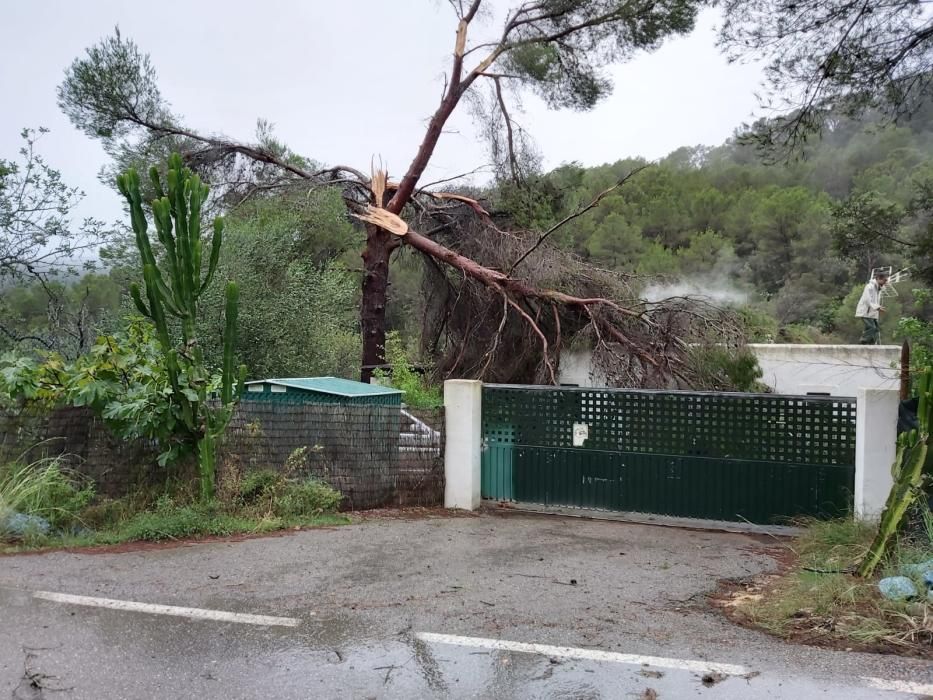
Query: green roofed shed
(331,390)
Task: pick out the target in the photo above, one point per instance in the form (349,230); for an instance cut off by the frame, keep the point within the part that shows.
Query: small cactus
(172,289)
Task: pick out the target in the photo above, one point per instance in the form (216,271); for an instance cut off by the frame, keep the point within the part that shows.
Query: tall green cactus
(909,469)
(174,292)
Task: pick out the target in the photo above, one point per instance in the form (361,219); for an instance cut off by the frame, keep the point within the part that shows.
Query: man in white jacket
(869,308)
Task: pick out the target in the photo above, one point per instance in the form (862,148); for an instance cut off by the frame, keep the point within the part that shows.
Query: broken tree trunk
(375,296)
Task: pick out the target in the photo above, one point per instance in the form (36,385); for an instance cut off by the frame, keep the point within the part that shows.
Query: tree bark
(375,295)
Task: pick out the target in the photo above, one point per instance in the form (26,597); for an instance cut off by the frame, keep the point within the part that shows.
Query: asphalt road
(458,607)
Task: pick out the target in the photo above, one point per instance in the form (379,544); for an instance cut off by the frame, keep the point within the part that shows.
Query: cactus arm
(156,182)
(216,242)
(229,341)
(168,299)
(177,193)
(161,210)
(138,300)
(196,190)
(155,306)
(241,382)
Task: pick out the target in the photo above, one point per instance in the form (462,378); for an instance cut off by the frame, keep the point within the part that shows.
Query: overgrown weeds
(820,600)
(54,506)
(43,489)
(269,493)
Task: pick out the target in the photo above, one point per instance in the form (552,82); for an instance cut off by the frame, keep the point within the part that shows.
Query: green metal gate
(761,458)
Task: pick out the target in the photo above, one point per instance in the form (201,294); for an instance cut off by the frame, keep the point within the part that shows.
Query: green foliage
(724,369)
(759,327)
(917,329)
(259,484)
(566,71)
(170,521)
(63,316)
(801,601)
(708,253)
(305,498)
(123,378)
(109,513)
(177,216)
(46,489)
(98,89)
(298,313)
(419,391)
(77,521)
(279,494)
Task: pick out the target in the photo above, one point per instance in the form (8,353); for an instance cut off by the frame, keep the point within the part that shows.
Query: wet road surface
(477,607)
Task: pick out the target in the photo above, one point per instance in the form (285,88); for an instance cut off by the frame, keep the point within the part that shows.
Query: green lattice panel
(763,427)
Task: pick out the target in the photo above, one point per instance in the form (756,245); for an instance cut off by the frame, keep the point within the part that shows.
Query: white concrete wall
(576,367)
(875,447)
(463,401)
(839,370)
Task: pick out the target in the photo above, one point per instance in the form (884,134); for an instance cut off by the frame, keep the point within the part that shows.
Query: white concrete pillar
(463,401)
(875,445)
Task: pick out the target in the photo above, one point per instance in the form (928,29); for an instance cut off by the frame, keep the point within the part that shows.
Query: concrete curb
(782,531)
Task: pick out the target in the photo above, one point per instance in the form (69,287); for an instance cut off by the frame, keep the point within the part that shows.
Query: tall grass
(43,488)
(258,502)
(820,597)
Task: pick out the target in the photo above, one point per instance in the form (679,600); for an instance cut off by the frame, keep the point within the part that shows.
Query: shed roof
(331,385)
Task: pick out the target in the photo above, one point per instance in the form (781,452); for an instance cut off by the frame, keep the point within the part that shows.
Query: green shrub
(271,493)
(170,522)
(305,498)
(107,512)
(258,485)
(724,369)
(46,489)
(419,391)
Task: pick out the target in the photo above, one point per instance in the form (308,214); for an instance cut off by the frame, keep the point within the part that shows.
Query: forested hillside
(784,242)
(776,238)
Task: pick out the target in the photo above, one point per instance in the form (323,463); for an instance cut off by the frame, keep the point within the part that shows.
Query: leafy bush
(419,391)
(123,378)
(306,498)
(258,485)
(724,369)
(273,494)
(44,489)
(759,326)
(918,331)
(108,512)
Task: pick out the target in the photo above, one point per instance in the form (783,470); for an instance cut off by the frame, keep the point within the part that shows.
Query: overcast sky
(343,82)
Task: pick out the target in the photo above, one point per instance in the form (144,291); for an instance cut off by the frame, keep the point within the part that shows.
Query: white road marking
(192,613)
(696,666)
(899,686)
